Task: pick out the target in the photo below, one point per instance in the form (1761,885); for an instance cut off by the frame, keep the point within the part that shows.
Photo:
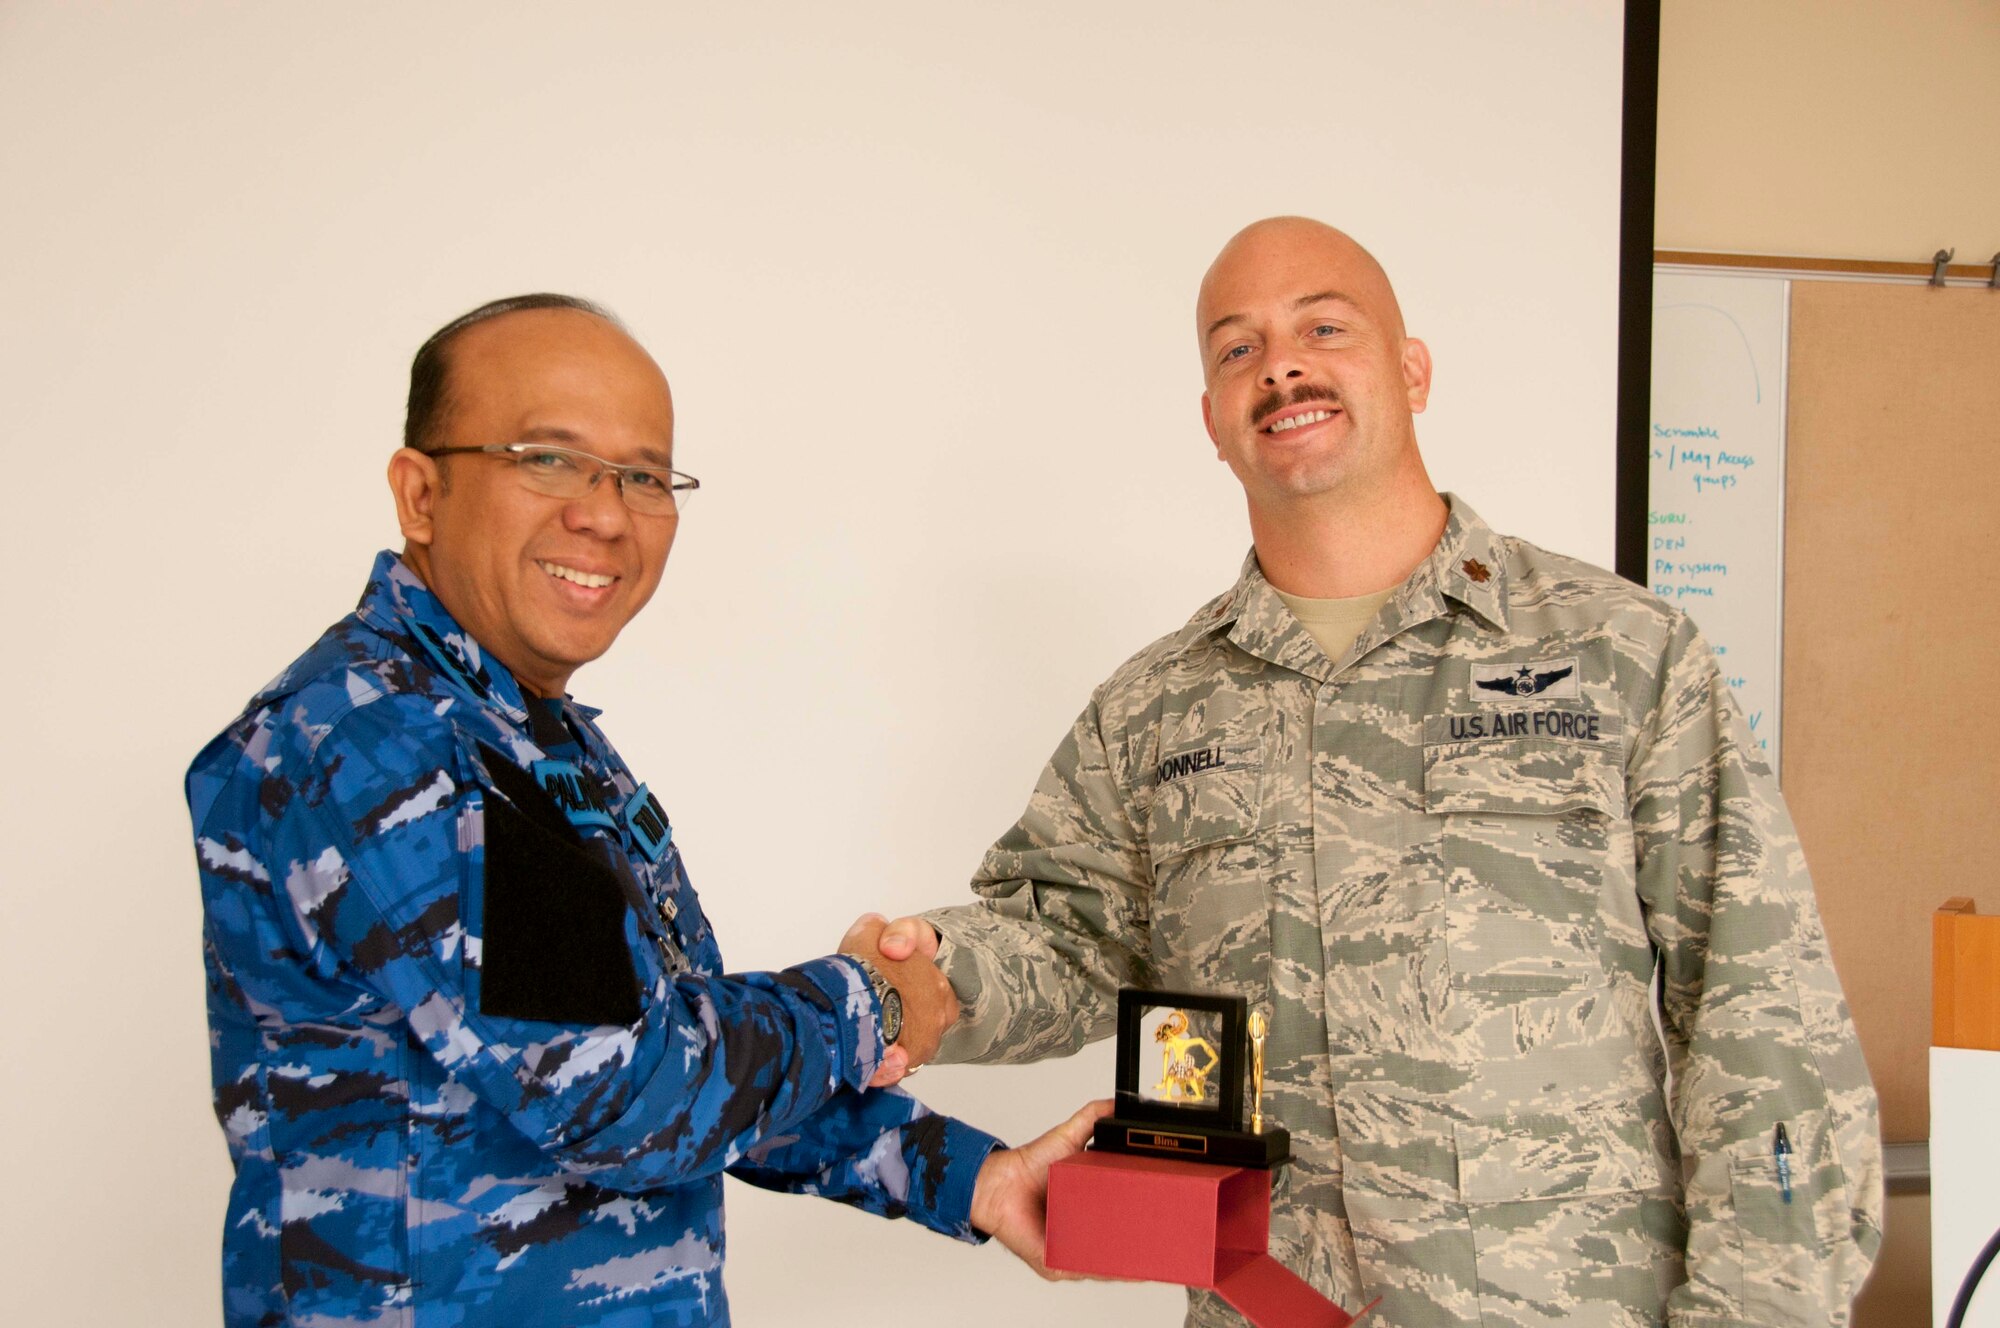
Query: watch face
(892,1016)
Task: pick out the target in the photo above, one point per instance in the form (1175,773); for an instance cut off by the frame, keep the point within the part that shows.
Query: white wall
(922,276)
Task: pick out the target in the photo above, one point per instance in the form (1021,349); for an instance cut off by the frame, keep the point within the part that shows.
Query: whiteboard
(1715,511)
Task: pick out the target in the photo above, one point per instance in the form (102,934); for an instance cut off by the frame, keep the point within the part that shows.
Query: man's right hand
(929,1005)
(909,938)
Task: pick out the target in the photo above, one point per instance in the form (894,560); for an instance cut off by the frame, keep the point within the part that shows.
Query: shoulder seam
(349,708)
(1163,652)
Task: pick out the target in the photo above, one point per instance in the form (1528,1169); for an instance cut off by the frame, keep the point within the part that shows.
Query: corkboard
(1892,641)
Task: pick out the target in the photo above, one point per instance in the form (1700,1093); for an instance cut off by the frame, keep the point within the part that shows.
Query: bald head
(1298,255)
(430,371)
(1310,382)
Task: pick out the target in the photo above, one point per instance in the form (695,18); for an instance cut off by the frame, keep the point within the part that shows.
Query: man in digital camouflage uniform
(1439,802)
(472,1049)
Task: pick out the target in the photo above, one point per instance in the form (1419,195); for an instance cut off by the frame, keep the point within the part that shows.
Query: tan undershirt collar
(1334,623)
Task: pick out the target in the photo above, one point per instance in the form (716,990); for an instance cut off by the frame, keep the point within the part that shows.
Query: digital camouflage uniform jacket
(1446,865)
(471,1049)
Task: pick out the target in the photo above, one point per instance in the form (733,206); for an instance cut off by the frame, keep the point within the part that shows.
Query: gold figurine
(1180,1080)
(1259,1026)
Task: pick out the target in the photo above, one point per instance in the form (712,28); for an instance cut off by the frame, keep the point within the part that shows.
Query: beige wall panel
(1830,128)
(1892,657)
(1898,1294)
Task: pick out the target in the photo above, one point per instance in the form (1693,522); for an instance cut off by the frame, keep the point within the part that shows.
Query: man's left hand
(1010,1197)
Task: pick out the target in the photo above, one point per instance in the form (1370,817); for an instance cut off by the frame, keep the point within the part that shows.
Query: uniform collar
(397,603)
(1466,567)
(1469,565)
(1258,621)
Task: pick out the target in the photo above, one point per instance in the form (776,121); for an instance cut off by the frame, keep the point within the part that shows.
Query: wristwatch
(891,1001)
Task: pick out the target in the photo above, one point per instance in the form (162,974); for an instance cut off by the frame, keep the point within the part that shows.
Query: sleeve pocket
(1780,1241)
(553,946)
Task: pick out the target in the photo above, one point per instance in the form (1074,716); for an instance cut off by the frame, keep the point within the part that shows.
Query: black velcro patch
(554,936)
(519,787)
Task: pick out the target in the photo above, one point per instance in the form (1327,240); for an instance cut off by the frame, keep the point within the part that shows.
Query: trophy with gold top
(1187,1064)
(1176,1184)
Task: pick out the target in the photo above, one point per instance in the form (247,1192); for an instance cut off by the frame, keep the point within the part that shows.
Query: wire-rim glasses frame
(565,472)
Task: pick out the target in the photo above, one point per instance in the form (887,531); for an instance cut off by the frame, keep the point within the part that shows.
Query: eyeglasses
(562,472)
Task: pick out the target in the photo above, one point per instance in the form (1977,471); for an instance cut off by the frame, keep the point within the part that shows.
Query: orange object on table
(1965,977)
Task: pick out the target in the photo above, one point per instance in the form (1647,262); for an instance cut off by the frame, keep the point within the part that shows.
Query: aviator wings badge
(1554,678)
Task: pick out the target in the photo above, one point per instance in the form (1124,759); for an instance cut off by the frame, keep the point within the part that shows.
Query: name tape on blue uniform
(575,793)
(647,821)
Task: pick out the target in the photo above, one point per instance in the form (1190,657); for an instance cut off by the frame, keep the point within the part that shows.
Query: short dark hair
(430,371)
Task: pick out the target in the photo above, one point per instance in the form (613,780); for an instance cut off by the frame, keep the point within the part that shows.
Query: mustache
(1273,402)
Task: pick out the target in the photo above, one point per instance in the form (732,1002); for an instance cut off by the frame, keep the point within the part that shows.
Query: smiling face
(543,584)
(1310,380)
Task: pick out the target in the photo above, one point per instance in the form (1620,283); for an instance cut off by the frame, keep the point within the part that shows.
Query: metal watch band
(888,998)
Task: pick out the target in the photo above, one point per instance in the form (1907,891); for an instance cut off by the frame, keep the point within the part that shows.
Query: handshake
(905,952)
(1009,1197)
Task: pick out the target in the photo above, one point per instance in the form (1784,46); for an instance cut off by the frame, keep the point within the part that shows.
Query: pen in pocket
(1781,1153)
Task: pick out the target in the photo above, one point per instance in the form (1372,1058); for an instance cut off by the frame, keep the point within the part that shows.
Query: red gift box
(1157,1219)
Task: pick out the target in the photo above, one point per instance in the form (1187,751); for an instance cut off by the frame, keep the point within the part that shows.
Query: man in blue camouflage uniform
(472,1046)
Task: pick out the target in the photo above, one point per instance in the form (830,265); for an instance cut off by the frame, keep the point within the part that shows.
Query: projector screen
(922,277)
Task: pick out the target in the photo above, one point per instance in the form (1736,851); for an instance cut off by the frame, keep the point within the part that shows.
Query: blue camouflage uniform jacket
(472,1047)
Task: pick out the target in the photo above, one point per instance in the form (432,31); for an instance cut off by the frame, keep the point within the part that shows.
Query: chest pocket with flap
(1211,911)
(1528,820)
